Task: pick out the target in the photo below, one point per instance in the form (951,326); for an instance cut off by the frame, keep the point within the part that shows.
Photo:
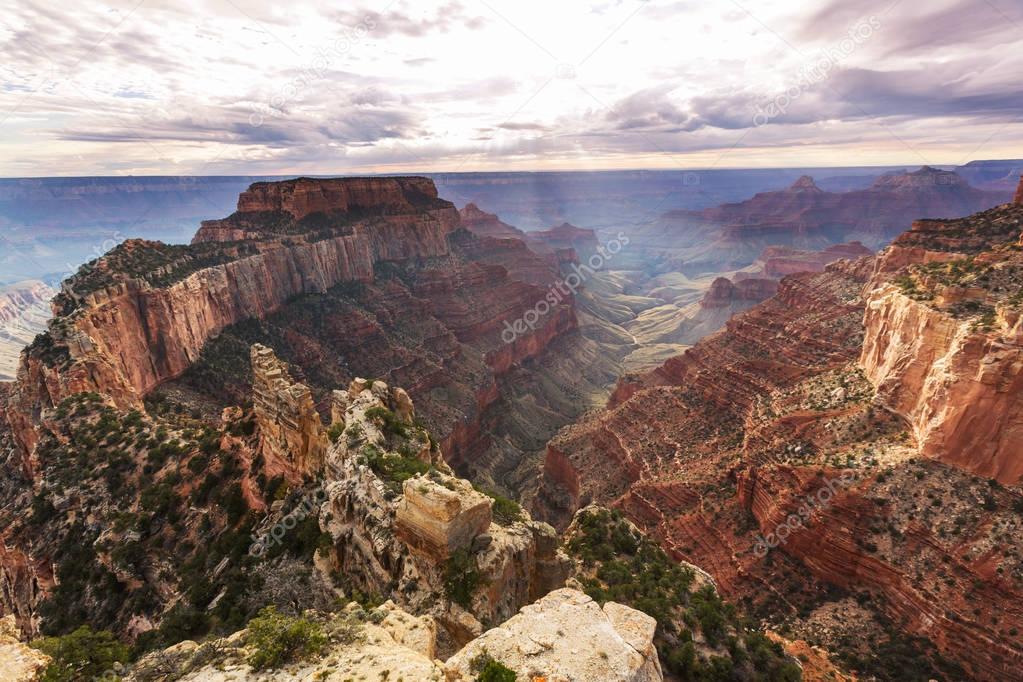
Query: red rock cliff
(141,314)
(944,340)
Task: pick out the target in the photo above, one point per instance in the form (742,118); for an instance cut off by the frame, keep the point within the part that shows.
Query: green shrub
(393,468)
(279,639)
(488,669)
(81,655)
(387,421)
(506,511)
(335,431)
(461,578)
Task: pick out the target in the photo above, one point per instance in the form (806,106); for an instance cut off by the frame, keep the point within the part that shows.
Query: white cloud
(225,86)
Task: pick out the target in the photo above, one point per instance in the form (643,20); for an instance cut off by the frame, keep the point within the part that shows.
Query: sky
(207,87)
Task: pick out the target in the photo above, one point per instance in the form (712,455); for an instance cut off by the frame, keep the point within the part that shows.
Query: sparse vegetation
(699,636)
(278,639)
(392,467)
(461,578)
(506,511)
(81,655)
(488,669)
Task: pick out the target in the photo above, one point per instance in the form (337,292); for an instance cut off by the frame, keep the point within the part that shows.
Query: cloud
(913,28)
(180,86)
(524,126)
(405,22)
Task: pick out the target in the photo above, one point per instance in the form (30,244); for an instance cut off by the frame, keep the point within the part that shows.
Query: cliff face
(885,384)
(141,314)
(944,340)
(290,430)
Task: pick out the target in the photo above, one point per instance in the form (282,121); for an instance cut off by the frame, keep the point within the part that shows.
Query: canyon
(888,387)
(24,312)
(805,217)
(196,397)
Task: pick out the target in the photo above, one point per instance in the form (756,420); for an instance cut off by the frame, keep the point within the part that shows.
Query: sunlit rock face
(568,636)
(289,426)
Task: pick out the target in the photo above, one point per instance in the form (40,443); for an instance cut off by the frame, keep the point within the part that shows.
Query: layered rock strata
(141,314)
(290,429)
(944,339)
(882,386)
(400,538)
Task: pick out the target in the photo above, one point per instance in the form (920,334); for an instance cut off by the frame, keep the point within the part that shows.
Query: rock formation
(385,643)
(486,224)
(944,340)
(564,636)
(290,429)
(18,662)
(1019,192)
(440,518)
(723,292)
(142,314)
(404,535)
(779,261)
(849,417)
(568,636)
(802,217)
(564,237)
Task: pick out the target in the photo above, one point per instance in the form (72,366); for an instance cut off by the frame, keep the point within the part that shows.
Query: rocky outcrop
(568,636)
(944,340)
(383,644)
(18,661)
(141,314)
(1019,192)
(484,224)
(723,292)
(290,429)
(330,201)
(398,536)
(779,261)
(439,519)
(563,637)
